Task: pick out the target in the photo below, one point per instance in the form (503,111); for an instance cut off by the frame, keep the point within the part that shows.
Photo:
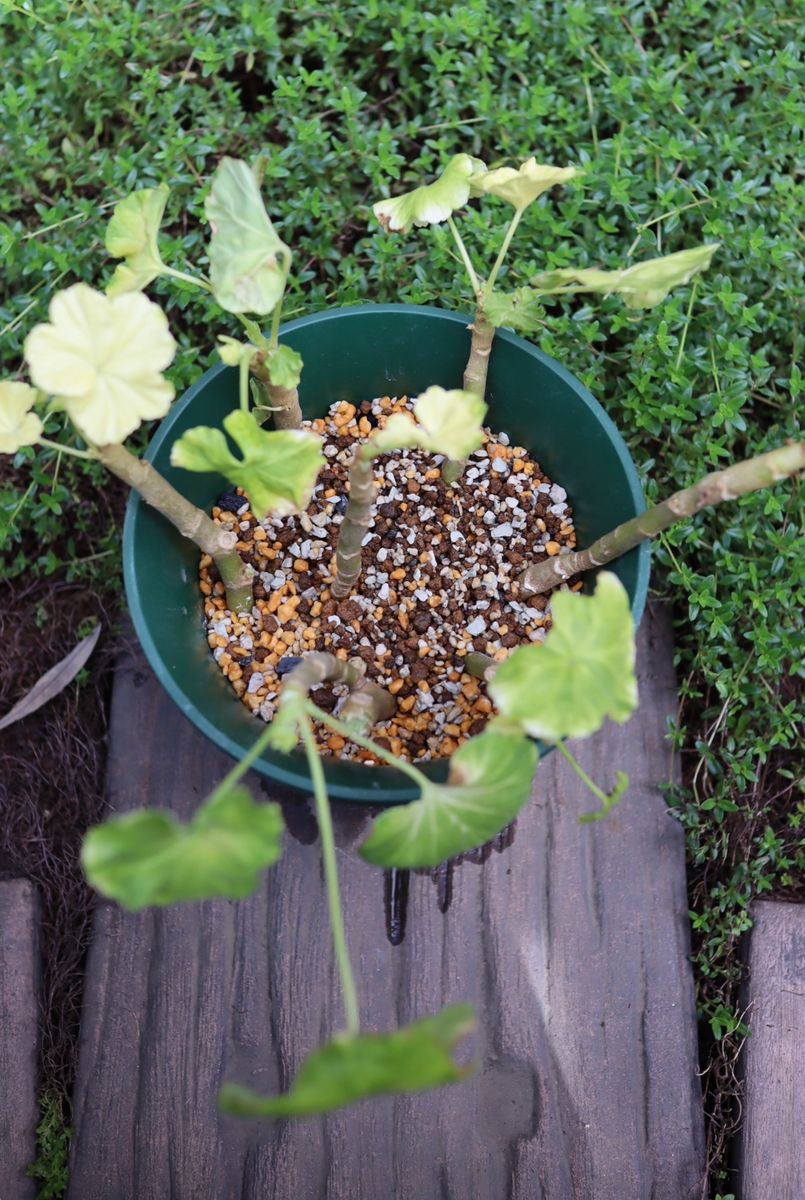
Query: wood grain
(771,1155)
(572,944)
(19,1018)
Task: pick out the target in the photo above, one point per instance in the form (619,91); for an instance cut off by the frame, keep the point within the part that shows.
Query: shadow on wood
(19,1033)
(771,1157)
(572,944)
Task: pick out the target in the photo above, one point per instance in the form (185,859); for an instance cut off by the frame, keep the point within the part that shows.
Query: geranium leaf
(447,422)
(582,672)
(523,186)
(102,358)
(433,202)
(18,425)
(278,468)
(284,367)
(521,309)
(148,857)
(249,263)
(351,1068)
(642,286)
(132,234)
(489,782)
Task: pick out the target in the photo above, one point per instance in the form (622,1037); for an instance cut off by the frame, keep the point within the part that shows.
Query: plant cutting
(101,358)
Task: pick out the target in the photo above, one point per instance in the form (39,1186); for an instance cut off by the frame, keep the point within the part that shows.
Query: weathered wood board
(771,1156)
(19,1022)
(572,944)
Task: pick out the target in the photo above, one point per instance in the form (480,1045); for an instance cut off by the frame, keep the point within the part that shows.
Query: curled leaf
(284,367)
(148,857)
(582,672)
(433,202)
(232,352)
(489,782)
(644,285)
(610,801)
(132,234)
(278,468)
(249,263)
(447,422)
(18,425)
(53,681)
(351,1068)
(523,186)
(521,309)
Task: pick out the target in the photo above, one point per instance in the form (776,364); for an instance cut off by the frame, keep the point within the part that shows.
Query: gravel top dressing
(437,566)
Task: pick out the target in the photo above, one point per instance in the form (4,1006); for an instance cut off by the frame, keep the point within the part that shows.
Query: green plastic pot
(356,354)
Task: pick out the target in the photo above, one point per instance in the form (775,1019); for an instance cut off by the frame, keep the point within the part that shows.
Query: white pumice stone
(255,683)
(476,627)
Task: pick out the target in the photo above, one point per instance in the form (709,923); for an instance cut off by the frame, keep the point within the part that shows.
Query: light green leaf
(521,309)
(642,286)
(284,367)
(582,672)
(523,186)
(447,422)
(278,468)
(132,234)
(249,263)
(433,202)
(489,782)
(148,857)
(232,352)
(351,1068)
(18,425)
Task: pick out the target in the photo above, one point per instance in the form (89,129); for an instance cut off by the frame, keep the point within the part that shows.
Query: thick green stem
(319,667)
(479,665)
(331,879)
(191,522)
(284,401)
(483,333)
(367,704)
(357,519)
(734,481)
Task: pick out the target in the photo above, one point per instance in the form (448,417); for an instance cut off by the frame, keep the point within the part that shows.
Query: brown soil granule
(438,566)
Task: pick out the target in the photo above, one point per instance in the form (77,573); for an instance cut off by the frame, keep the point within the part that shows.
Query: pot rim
(390,785)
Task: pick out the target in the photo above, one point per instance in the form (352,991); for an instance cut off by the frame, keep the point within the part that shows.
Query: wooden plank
(19,1021)
(771,1153)
(572,944)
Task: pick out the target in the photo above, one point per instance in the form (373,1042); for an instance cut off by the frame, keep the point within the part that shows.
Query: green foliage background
(686,121)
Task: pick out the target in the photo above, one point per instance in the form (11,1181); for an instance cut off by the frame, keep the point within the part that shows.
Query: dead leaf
(53,681)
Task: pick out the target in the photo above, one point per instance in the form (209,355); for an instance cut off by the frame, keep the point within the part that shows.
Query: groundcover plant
(101,360)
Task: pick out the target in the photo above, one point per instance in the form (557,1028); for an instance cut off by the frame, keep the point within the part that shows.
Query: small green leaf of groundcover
(349,1068)
(132,234)
(284,367)
(433,202)
(148,857)
(249,263)
(278,468)
(582,672)
(489,782)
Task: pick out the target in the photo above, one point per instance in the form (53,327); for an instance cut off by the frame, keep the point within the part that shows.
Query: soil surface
(439,566)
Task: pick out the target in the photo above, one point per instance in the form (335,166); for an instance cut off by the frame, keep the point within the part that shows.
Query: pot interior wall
(357,354)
